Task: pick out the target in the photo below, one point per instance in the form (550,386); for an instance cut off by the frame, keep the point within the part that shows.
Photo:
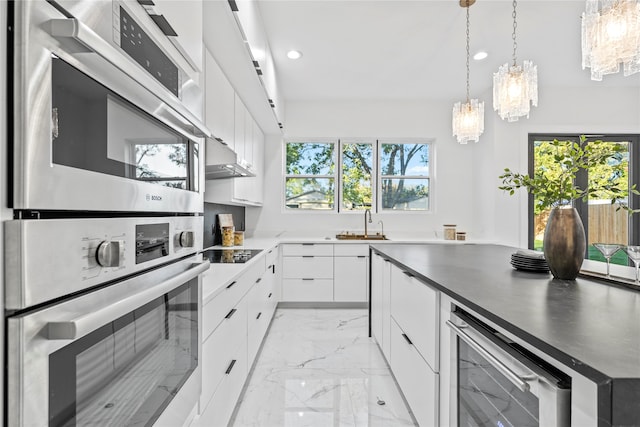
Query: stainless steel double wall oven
(102,263)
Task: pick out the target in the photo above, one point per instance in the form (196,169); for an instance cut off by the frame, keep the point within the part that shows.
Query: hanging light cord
(467,51)
(513,36)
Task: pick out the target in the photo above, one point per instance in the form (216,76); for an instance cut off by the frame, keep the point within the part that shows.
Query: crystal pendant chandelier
(468,117)
(515,87)
(611,36)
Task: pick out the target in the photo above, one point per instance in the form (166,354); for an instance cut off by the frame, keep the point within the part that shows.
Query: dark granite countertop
(590,326)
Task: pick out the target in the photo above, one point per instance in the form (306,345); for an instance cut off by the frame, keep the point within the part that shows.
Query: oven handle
(80,326)
(77,36)
(516,379)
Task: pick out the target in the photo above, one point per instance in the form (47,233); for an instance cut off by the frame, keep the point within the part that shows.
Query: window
(389,175)
(310,176)
(356,175)
(404,176)
(602,222)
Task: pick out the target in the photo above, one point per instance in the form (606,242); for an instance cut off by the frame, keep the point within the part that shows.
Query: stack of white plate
(529,261)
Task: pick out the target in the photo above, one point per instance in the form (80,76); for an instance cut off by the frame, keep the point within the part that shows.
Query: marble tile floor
(318,367)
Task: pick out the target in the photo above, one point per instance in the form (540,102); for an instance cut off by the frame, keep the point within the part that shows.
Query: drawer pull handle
(361,256)
(258,316)
(407,339)
(259,280)
(408,274)
(307,279)
(228,371)
(307,244)
(269,295)
(231,313)
(231,284)
(273,269)
(307,256)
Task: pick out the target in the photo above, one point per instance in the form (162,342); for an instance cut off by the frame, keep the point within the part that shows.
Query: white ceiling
(397,49)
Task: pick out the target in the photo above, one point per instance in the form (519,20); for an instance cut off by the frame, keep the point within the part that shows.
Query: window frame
(582,178)
(334,176)
(430,177)
(376,178)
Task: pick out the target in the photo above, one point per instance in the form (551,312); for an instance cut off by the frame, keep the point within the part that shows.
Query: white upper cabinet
(219,102)
(185,17)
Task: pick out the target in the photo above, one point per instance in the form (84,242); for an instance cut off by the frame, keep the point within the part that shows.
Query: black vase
(564,243)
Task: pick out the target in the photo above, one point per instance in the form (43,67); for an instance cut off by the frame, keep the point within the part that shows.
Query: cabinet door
(239,116)
(307,290)
(219,101)
(350,278)
(415,306)
(418,382)
(377,266)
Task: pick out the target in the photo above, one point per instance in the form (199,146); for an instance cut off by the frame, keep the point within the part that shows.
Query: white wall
(466,176)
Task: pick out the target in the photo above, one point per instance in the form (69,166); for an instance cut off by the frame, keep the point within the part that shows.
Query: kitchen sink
(350,236)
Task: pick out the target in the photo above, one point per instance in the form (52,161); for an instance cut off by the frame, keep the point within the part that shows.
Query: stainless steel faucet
(382,226)
(365,221)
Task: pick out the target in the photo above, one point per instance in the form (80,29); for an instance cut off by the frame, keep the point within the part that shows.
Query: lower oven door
(123,355)
(499,383)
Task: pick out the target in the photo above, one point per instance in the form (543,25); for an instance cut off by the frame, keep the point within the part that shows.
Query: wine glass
(607,250)
(633,252)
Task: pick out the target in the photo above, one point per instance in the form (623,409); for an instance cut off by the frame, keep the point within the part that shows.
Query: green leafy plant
(554,181)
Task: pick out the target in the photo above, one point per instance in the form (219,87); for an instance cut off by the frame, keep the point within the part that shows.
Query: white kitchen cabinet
(351,272)
(220,349)
(232,333)
(415,307)
(219,102)
(307,272)
(239,128)
(418,382)
(381,303)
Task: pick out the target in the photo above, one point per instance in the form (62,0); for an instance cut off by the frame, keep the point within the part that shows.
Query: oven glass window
(486,398)
(126,372)
(97,130)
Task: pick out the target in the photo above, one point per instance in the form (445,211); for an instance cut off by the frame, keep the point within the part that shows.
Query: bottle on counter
(238,238)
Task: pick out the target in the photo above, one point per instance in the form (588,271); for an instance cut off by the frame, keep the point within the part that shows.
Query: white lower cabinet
(418,382)
(325,272)
(405,323)
(234,324)
(381,303)
(350,273)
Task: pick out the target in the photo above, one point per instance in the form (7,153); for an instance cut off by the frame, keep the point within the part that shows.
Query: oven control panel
(50,258)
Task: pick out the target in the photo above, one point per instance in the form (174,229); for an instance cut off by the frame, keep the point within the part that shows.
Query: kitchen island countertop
(589,326)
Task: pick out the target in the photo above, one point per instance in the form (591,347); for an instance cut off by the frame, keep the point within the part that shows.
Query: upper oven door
(93,129)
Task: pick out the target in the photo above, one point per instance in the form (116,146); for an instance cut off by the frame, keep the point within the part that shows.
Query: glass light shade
(515,89)
(610,37)
(468,121)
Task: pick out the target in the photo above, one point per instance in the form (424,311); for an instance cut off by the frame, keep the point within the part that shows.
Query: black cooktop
(230,256)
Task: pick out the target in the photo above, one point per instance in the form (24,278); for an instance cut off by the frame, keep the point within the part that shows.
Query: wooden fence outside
(606,225)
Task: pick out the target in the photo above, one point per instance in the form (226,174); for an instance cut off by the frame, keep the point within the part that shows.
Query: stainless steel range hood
(222,162)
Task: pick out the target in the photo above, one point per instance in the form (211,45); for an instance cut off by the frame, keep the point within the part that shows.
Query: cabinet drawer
(214,311)
(307,290)
(418,382)
(219,349)
(217,412)
(348,249)
(300,249)
(307,267)
(415,306)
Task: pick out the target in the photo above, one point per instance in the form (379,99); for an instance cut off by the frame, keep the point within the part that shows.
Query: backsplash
(211,235)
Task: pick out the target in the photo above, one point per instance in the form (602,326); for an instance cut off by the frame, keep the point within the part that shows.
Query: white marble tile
(318,367)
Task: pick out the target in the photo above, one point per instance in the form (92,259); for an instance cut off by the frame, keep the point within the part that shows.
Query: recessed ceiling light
(294,54)
(480,55)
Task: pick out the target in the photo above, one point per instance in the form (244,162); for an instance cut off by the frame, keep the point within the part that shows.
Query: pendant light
(515,87)
(468,117)
(610,37)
